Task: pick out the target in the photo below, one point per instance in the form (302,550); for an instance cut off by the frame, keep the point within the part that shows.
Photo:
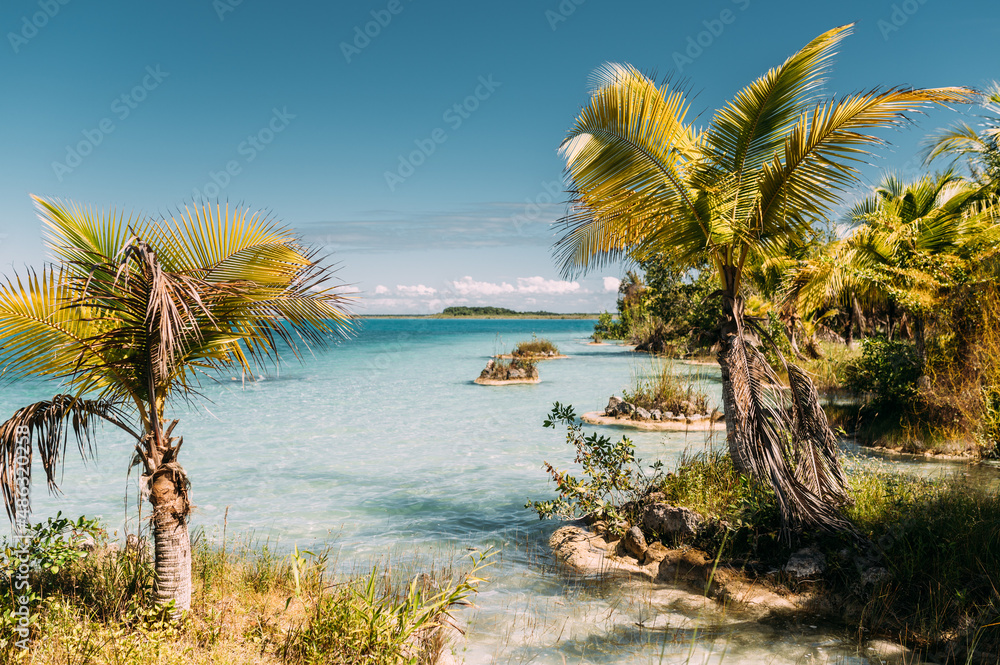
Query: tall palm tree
(131,314)
(772,161)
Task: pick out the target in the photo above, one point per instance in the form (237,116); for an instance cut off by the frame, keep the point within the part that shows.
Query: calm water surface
(384,447)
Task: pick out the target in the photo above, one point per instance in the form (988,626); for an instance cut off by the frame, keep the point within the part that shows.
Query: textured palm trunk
(728,330)
(849,332)
(168,495)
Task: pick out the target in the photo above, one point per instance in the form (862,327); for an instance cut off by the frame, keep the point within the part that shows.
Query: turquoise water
(384,447)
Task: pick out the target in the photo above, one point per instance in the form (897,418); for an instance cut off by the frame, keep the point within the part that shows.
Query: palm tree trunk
(169,497)
(728,330)
(849,332)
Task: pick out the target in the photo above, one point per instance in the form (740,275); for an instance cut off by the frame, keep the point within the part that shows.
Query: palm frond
(47,424)
(823,152)
(760,422)
(626,156)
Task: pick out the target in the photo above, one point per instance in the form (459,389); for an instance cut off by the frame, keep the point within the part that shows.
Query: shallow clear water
(384,446)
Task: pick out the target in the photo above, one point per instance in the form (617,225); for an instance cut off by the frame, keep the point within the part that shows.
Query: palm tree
(131,314)
(980,149)
(910,243)
(772,162)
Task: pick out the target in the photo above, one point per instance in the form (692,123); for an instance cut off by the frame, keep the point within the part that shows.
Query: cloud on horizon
(535,292)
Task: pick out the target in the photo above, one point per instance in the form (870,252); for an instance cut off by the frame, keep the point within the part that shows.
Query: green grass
(939,542)
(536,346)
(251,604)
(662,389)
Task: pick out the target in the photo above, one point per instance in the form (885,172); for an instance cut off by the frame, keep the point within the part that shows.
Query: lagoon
(384,448)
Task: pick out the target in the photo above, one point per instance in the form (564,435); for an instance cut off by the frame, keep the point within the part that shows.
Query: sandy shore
(598,418)
(494,382)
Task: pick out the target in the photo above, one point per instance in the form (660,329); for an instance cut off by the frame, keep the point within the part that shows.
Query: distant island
(483,313)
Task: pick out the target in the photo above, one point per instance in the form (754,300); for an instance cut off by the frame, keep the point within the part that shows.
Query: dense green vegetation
(897,310)
(930,547)
(502,312)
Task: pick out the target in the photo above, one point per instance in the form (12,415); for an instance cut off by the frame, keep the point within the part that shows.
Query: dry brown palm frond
(764,428)
(814,445)
(45,424)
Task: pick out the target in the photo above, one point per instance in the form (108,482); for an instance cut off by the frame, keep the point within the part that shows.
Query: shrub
(536,346)
(887,372)
(609,328)
(612,475)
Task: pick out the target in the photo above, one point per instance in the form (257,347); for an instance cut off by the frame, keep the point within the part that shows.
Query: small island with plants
(659,401)
(537,348)
(500,372)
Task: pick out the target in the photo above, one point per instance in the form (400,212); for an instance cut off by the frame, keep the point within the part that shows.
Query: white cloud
(381,290)
(612,284)
(546,286)
(418,290)
(470,287)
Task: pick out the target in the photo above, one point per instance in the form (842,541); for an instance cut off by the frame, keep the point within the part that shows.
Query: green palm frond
(627,155)
(747,131)
(821,156)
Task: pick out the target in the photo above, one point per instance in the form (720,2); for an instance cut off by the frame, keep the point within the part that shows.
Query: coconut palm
(979,149)
(910,242)
(771,163)
(132,313)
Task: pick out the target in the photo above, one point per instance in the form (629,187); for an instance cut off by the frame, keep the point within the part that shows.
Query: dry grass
(661,389)
(250,604)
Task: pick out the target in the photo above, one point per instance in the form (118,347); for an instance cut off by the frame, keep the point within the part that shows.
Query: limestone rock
(515,373)
(655,552)
(634,542)
(664,519)
(612,408)
(656,414)
(642,414)
(808,562)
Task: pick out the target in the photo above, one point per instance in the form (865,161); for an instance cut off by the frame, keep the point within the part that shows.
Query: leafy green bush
(612,475)
(887,372)
(607,327)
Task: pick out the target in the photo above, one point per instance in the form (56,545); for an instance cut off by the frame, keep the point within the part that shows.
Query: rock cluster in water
(619,408)
(639,544)
(513,371)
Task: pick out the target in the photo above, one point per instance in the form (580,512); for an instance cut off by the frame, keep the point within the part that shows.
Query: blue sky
(293,108)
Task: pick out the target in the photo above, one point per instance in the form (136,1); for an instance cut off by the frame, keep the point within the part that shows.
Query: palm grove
(733,215)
